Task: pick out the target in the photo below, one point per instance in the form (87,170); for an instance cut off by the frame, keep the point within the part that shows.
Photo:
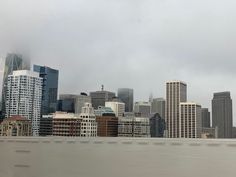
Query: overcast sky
(127,43)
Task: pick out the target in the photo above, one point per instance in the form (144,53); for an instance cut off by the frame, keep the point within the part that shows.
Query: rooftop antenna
(102,87)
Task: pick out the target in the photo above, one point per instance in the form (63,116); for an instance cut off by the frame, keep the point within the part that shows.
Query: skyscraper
(176,92)
(24,96)
(100,97)
(222,114)
(13,62)
(126,95)
(206,120)
(49,88)
(190,120)
(158,106)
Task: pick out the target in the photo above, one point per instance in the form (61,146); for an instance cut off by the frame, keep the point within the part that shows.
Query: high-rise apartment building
(126,95)
(13,62)
(100,97)
(143,108)
(117,107)
(206,118)
(190,120)
(158,106)
(222,114)
(49,88)
(176,92)
(24,95)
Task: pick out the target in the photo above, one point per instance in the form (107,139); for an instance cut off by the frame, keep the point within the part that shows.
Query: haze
(127,43)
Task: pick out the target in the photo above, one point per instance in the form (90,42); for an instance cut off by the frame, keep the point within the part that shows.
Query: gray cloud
(127,43)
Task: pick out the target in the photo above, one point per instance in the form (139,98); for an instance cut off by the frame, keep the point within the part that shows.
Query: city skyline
(149,41)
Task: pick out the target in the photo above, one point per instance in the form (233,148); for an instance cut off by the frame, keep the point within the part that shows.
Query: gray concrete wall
(116,157)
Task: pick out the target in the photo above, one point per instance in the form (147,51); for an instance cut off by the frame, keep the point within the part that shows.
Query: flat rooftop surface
(116,157)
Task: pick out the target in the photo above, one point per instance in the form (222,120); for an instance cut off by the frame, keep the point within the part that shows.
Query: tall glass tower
(49,89)
(222,114)
(13,62)
(126,95)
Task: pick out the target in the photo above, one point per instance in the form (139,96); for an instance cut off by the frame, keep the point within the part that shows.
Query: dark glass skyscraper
(206,120)
(157,126)
(66,103)
(13,62)
(50,88)
(126,95)
(222,114)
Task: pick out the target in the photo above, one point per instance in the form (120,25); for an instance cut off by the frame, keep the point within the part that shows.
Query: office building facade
(66,103)
(117,107)
(134,127)
(143,108)
(66,124)
(158,106)
(49,88)
(15,126)
(104,111)
(206,118)
(88,123)
(46,125)
(80,100)
(107,126)
(24,95)
(99,98)
(176,92)
(190,120)
(126,95)
(157,126)
(222,114)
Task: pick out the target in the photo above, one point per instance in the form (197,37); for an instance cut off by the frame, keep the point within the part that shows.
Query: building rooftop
(16,118)
(25,72)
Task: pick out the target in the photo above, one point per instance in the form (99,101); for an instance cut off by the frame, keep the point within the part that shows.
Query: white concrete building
(24,96)
(190,120)
(88,123)
(133,127)
(117,107)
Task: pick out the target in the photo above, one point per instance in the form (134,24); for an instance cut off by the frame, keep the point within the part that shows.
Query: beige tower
(176,92)
(190,120)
